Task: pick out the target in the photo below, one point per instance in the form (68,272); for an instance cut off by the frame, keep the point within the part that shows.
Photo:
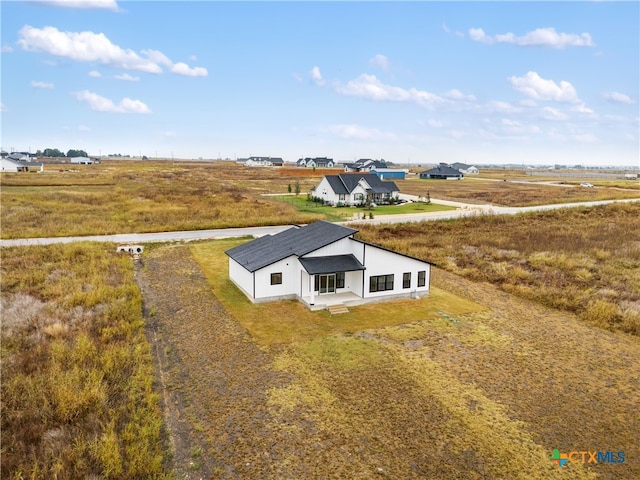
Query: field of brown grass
(77,375)
(508,193)
(151,196)
(583,260)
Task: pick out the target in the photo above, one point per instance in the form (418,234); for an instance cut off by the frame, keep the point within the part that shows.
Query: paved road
(463,210)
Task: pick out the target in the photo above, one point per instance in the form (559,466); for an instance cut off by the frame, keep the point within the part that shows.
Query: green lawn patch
(304,205)
(290,321)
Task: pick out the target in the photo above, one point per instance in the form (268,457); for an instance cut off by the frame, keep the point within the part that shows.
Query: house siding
(241,277)
(383,262)
(289,268)
(325,192)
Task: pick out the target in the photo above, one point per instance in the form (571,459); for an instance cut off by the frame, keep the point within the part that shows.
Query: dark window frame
(381,283)
(406,280)
(276,278)
(422,278)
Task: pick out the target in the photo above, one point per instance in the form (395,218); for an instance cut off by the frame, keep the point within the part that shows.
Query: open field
(509,193)
(77,375)
(470,383)
(583,260)
(144,196)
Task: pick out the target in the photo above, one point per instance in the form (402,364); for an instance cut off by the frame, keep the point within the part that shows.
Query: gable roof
(331,263)
(346,183)
(442,170)
(297,241)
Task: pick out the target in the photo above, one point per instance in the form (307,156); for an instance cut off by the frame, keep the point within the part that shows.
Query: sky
(413,83)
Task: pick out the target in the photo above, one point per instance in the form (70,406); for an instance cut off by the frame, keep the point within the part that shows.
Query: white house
(365,165)
(322,264)
(8,164)
(465,169)
(81,160)
(320,162)
(354,189)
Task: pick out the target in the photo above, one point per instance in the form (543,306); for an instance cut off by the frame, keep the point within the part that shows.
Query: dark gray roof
(346,183)
(331,264)
(296,241)
(442,170)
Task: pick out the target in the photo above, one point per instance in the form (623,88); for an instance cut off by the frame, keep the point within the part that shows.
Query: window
(342,197)
(406,280)
(422,278)
(358,197)
(276,278)
(381,283)
(340,280)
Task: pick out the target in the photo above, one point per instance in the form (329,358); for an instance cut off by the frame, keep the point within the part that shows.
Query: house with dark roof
(322,264)
(354,189)
(365,165)
(255,161)
(443,172)
(465,169)
(320,162)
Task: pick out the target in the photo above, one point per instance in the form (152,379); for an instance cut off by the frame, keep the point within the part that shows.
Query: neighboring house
(81,160)
(8,164)
(354,189)
(465,169)
(443,172)
(364,165)
(320,162)
(321,263)
(263,162)
(389,173)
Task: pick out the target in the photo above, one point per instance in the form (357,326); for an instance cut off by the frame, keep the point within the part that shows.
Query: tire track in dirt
(213,378)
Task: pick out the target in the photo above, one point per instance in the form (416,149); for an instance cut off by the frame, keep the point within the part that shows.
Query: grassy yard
(77,374)
(460,384)
(293,322)
(304,205)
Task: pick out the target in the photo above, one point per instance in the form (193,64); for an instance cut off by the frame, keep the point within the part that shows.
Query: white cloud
(3,108)
(183,69)
(617,97)
(534,86)
(43,85)
(96,47)
(540,37)
(103,104)
(169,134)
(95,74)
(445,27)
(105,4)
(359,132)
(456,133)
(550,113)
(316,76)
(84,128)
(368,86)
(435,123)
(7,49)
(458,95)
(127,77)
(380,61)
(582,108)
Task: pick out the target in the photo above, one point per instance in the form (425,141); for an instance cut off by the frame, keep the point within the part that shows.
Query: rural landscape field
(116,367)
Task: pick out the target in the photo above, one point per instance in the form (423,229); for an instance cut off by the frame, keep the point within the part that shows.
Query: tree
(289,188)
(297,187)
(52,152)
(76,153)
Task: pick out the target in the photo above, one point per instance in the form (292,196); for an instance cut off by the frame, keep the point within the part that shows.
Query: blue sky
(410,82)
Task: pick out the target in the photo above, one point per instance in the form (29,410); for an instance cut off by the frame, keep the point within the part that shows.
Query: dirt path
(214,378)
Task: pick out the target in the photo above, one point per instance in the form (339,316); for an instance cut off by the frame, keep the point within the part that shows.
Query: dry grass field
(77,375)
(136,196)
(471,382)
(584,260)
(510,193)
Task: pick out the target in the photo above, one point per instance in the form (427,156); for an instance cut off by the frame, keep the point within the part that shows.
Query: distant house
(354,189)
(443,172)
(389,173)
(319,162)
(8,164)
(81,161)
(263,162)
(365,165)
(464,168)
(323,264)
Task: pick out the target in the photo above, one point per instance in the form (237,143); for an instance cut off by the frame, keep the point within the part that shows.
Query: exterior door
(327,283)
